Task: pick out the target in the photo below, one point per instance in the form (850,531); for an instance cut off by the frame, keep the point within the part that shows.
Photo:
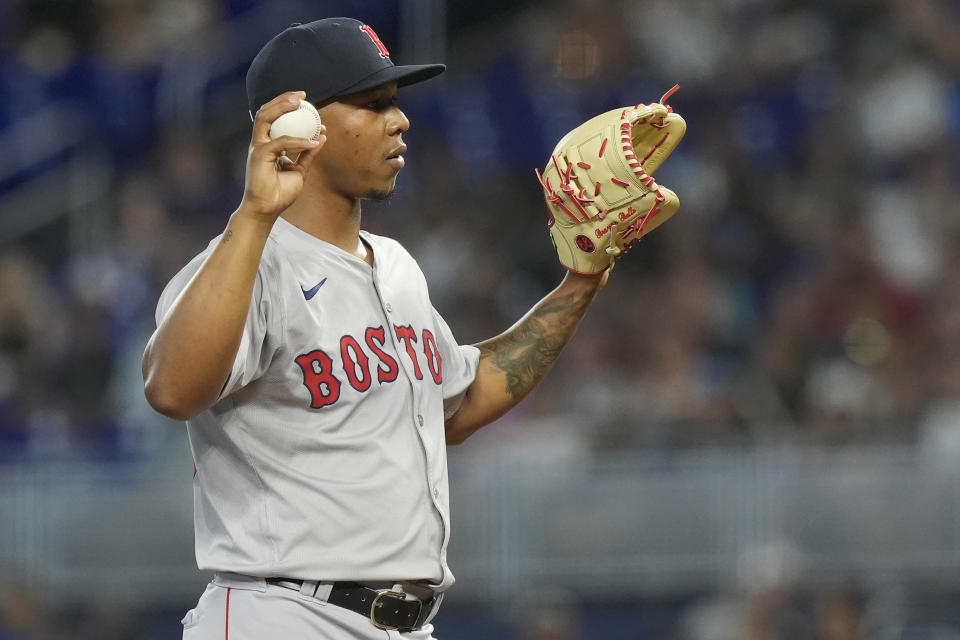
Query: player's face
(364,148)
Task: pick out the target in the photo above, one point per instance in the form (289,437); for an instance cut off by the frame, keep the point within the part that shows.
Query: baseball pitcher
(319,385)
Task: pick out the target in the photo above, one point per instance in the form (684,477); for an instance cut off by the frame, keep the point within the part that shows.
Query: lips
(395,157)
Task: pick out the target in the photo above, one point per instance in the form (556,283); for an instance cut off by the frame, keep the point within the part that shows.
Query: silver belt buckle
(377,604)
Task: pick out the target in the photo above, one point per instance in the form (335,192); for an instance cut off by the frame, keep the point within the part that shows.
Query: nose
(397,122)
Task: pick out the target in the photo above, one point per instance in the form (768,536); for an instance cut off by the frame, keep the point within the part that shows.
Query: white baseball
(302,123)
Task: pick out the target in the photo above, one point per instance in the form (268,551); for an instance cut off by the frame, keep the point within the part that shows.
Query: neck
(328,216)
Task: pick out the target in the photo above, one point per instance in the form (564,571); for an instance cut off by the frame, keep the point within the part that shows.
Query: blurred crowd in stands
(806,292)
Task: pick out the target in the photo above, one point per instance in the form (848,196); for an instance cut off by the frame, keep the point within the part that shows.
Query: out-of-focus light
(866,342)
(576,56)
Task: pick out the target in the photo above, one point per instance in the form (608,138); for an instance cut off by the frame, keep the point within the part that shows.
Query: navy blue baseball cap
(327,58)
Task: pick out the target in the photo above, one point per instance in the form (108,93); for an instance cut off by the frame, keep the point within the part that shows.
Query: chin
(382,194)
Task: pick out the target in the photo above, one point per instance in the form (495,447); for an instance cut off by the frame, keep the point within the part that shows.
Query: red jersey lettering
(432,352)
(356,364)
(409,336)
(318,378)
(376,338)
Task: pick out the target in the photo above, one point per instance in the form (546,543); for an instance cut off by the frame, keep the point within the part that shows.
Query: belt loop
(316,589)
(323,591)
(309,588)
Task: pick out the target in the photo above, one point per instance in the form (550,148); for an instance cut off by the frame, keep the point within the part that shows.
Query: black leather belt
(386,609)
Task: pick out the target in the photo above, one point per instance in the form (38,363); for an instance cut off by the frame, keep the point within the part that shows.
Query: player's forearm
(189,356)
(512,363)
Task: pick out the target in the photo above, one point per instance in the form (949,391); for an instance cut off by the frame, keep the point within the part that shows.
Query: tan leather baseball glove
(599,187)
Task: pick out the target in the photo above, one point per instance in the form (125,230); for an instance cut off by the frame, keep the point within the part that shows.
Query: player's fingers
(306,158)
(284,163)
(300,161)
(289,101)
(269,151)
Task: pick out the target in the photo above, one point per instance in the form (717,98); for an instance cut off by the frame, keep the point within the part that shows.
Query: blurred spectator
(28,330)
(839,615)
(766,606)
(786,302)
(23,618)
(550,615)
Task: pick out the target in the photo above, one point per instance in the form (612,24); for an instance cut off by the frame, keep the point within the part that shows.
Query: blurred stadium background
(755,434)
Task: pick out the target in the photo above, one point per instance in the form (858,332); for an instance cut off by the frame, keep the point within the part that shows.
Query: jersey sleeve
(459,366)
(261,326)
(257,345)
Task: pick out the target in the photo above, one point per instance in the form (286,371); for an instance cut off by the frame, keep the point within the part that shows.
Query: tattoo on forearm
(226,236)
(527,351)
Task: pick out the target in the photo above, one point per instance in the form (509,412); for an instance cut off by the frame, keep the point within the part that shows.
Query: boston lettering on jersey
(321,380)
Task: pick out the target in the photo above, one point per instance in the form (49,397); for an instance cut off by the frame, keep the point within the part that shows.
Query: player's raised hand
(273,180)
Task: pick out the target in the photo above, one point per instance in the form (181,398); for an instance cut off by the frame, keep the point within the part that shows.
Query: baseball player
(319,385)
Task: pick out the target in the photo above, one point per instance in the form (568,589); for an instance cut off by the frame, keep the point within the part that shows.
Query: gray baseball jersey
(325,458)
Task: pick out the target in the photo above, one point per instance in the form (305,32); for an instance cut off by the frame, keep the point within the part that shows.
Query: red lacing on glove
(640,223)
(553,197)
(667,95)
(579,198)
(626,133)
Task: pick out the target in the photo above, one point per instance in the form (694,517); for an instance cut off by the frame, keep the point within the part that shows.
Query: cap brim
(403,75)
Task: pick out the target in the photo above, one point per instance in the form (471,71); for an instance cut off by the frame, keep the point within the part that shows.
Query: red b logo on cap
(367,29)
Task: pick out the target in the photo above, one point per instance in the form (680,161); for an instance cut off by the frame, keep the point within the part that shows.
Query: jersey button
(419,419)
(436,492)
(389,307)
